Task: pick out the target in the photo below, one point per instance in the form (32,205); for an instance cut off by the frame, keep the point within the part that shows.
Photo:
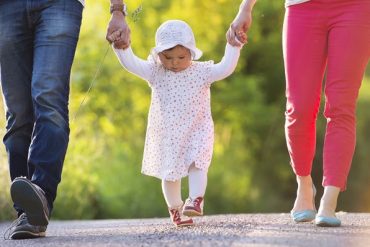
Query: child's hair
(172,33)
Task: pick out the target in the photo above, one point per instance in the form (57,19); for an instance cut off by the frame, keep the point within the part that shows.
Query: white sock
(197,182)
(172,193)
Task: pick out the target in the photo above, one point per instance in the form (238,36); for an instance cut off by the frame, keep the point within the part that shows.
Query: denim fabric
(38,40)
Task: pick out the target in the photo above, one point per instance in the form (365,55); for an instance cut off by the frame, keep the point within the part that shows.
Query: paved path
(216,230)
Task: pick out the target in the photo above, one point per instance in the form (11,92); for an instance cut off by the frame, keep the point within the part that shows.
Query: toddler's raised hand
(115,36)
(242,37)
(237,39)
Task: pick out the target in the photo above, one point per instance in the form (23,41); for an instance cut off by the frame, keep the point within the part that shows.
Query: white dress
(180,127)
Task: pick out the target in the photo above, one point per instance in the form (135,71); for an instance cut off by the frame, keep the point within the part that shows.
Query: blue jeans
(38,40)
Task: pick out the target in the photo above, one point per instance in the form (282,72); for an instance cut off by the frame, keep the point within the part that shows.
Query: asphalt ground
(214,230)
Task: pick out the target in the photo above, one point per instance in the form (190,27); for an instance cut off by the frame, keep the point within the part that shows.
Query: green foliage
(250,170)
(6,211)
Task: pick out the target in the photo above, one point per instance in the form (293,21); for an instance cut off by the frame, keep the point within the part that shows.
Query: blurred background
(250,171)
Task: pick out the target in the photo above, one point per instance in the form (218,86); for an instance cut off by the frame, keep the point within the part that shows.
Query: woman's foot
(304,209)
(328,204)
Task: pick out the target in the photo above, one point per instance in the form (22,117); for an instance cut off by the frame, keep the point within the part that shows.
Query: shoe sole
(27,235)
(184,225)
(191,213)
(326,224)
(25,196)
(303,220)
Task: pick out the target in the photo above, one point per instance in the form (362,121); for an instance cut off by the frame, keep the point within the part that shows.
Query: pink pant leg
(338,32)
(305,52)
(348,55)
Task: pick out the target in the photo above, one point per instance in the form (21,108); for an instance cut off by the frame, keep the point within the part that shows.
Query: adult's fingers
(108,36)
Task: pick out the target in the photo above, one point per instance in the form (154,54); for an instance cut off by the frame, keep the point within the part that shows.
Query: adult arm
(241,23)
(118,23)
(227,64)
(134,64)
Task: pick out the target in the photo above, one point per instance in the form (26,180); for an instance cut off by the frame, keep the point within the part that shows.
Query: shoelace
(188,201)
(7,232)
(197,201)
(176,215)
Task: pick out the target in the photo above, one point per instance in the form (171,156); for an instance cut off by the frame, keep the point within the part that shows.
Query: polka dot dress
(180,127)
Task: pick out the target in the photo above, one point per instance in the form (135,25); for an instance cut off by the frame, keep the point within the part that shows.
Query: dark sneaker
(21,229)
(31,198)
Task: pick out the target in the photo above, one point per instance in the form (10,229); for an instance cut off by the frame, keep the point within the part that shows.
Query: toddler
(180,132)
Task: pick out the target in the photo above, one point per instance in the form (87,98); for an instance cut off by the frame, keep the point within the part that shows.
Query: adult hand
(118,23)
(239,28)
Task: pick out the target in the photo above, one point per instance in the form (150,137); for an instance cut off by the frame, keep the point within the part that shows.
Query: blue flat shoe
(305,215)
(327,221)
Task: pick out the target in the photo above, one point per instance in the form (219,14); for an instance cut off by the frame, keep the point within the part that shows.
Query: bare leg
(328,202)
(304,194)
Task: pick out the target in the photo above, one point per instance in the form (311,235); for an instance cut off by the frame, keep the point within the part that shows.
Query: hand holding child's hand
(237,39)
(122,37)
(237,32)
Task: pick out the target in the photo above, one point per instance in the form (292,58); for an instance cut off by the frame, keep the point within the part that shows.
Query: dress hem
(156,175)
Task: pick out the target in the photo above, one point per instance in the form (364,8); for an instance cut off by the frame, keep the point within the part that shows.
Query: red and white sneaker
(193,207)
(178,219)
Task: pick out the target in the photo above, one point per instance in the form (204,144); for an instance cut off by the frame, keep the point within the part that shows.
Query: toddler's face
(176,59)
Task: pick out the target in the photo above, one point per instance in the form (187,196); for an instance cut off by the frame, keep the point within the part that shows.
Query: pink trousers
(319,36)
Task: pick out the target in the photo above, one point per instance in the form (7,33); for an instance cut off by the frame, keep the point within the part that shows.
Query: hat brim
(195,52)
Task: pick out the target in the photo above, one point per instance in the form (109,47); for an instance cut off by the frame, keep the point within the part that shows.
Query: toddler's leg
(197,182)
(197,188)
(172,194)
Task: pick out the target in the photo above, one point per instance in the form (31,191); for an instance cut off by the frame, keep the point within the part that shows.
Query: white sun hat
(175,32)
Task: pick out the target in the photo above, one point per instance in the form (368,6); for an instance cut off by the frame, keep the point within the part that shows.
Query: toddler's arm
(227,65)
(134,64)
